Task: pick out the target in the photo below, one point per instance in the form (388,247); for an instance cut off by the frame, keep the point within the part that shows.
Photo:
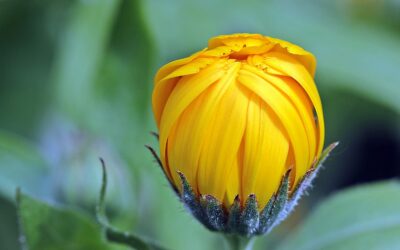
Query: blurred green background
(76,81)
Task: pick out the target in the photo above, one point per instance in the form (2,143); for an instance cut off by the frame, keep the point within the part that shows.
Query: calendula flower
(241,129)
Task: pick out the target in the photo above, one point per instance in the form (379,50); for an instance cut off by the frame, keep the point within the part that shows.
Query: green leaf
(20,165)
(114,235)
(81,51)
(103,72)
(8,225)
(342,47)
(44,227)
(364,217)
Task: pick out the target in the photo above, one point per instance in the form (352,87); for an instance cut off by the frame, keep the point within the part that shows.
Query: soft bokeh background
(76,80)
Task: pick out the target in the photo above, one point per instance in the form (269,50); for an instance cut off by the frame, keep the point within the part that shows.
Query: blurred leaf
(355,56)
(81,51)
(20,165)
(103,71)
(364,217)
(123,85)
(128,63)
(8,225)
(26,49)
(113,234)
(44,227)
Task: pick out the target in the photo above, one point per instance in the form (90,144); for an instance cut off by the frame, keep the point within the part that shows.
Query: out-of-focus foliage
(344,48)
(76,79)
(44,227)
(8,226)
(15,155)
(365,217)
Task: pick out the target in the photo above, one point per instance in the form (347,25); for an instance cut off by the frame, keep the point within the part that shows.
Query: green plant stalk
(114,235)
(236,242)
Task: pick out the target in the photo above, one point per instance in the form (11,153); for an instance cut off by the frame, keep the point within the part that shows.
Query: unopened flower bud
(241,128)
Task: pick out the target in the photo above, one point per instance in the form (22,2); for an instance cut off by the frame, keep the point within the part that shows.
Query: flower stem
(235,242)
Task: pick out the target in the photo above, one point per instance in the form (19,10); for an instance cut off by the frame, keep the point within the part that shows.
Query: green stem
(235,242)
(112,234)
(131,240)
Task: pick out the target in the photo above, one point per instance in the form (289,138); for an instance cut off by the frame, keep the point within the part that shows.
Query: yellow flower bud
(236,116)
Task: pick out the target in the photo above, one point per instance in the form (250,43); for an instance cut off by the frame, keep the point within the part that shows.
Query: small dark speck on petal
(315,116)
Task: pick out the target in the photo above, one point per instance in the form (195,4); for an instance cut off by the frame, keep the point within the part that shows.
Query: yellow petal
(299,99)
(238,46)
(265,152)
(170,77)
(233,185)
(184,147)
(161,93)
(185,91)
(220,51)
(223,138)
(303,56)
(190,68)
(292,68)
(169,67)
(237,40)
(287,115)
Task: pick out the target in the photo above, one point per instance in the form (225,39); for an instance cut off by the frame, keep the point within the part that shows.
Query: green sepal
(189,198)
(264,216)
(156,135)
(277,213)
(246,220)
(214,213)
(326,153)
(159,163)
(306,182)
(112,234)
(250,218)
(234,216)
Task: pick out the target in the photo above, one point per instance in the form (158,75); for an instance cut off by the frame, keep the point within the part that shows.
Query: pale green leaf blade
(81,51)
(343,48)
(364,217)
(44,227)
(21,164)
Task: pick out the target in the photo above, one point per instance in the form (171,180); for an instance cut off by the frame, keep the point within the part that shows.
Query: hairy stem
(235,242)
